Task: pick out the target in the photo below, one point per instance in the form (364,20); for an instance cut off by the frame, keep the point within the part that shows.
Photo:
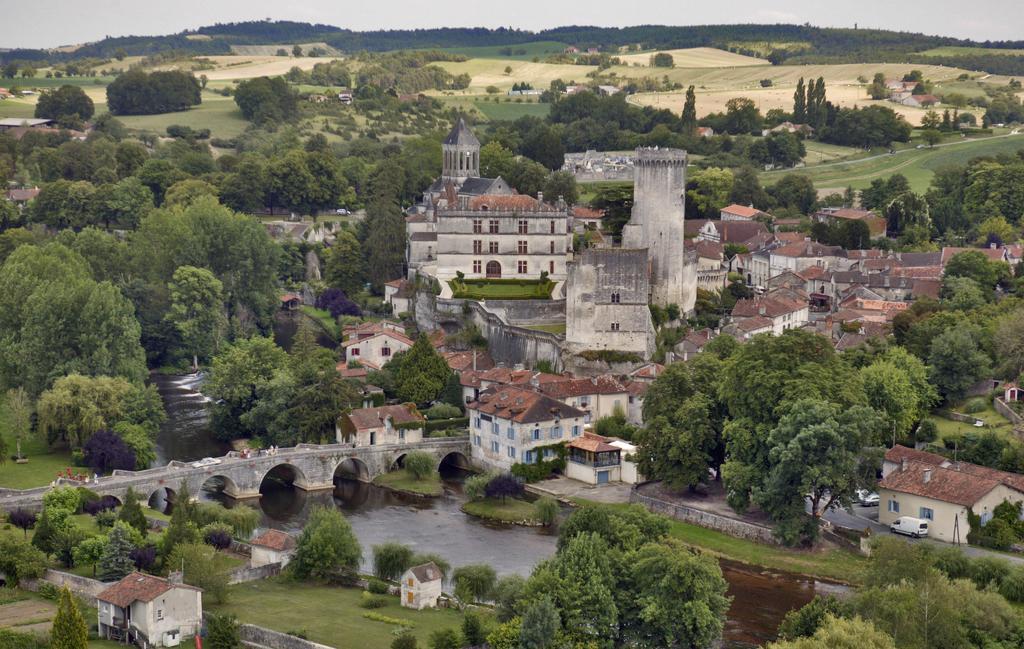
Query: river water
(437,525)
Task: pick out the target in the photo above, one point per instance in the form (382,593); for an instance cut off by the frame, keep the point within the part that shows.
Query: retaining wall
(257,636)
(1003,409)
(242,575)
(82,586)
(730,526)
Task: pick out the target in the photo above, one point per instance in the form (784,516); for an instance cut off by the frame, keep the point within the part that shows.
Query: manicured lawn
(217,113)
(835,564)
(550,328)
(994,422)
(43,464)
(402,480)
(483,289)
(326,614)
(512,510)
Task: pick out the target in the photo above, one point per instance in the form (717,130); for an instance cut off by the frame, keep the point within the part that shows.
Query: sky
(51,23)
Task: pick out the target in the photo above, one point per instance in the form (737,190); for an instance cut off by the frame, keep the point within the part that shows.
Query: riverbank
(403,482)
(830,563)
(512,511)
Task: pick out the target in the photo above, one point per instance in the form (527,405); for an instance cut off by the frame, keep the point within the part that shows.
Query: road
(859,518)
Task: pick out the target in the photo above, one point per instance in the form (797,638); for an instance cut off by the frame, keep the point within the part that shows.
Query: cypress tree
(799,103)
(69,630)
(131,513)
(116,561)
(689,118)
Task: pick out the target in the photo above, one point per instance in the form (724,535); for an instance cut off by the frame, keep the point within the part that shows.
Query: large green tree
(69,629)
(237,375)
(327,546)
(343,264)
(197,310)
(420,372)
(956,361)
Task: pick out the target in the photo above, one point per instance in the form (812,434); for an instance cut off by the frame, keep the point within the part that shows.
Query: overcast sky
(49,23)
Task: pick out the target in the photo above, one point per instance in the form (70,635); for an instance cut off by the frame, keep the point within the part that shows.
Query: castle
(481,228)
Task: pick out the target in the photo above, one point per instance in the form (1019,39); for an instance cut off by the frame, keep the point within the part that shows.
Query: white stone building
(421,586)
(397,424)
(273,546)
(149,611)
(376,350)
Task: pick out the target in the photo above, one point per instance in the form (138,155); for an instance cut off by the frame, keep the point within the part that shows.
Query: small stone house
(1012,392)
(421,586)
(273,546)
(397,424)
(149,611)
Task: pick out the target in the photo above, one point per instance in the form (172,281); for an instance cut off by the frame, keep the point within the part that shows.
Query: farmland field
(952,50)
(537,48)
(512,111)
(491,72)
(694,57)
(271,50)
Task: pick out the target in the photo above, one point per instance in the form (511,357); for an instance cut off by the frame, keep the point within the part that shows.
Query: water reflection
(185,435)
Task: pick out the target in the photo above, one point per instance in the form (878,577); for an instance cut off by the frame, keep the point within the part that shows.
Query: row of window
(923,512)
(494,226)
(554,432)
(522,248)
(529,456)
(522,268)
(384,351)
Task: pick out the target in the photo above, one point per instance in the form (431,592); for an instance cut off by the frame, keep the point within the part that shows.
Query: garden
(502,289)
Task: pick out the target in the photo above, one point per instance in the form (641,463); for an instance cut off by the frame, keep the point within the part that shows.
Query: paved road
(860,518)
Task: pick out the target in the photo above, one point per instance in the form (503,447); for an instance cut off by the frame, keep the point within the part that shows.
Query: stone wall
(956,416)
(1007,412)
(528,312)
(730,526)
(82,586)
(261,638)
(242,575)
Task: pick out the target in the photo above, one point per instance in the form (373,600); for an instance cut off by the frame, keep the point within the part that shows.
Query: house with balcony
(149,611)
(597,460)
(513,424)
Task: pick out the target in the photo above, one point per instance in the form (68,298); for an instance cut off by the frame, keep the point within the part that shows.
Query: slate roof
(507,202)
(522,405)
(461,135)
(138,587)
(480,186)
(274,540)
(426,571)
(423,236)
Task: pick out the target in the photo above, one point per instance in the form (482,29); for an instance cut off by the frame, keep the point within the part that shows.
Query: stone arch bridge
(309,467)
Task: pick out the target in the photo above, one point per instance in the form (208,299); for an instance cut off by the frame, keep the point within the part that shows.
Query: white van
(915,527)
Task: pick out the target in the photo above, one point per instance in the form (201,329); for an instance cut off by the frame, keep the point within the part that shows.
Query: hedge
(442,424)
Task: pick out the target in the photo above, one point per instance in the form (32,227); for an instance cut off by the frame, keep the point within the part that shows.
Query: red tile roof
(993,254)
(581,212)
(767,306)
(943,484)
(138,587)
(522,405)
(899,453)
(274,540)
(462,361)
(505,202)
(806,249)
(367,418)
(741,210)
(387,332)
(593,443)
(754,324)
(603,384)
(22,195)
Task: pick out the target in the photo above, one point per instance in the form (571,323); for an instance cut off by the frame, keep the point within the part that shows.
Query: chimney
(992,245)
(761,310)
(903,464)
(927,476)
(176,577)
(540,197)
(474,360)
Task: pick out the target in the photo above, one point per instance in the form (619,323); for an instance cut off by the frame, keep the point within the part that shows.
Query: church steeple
(461,154)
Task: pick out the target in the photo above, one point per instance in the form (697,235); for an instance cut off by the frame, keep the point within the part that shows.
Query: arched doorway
(162,500)
(493,270)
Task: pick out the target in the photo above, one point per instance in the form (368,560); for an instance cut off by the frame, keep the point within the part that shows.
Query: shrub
(106,519)
(442,411)
(546,510)
(420,465)
(474,582)
(988,570)
(1012,587)
(377,587)
(975,405)
(504,485)
(23,519)
(405,640)
(337,303)
(222,631)
(217,535)
(927,431)
(449,638)
(372,601)
(538,471)
(390,560)
(953,562)
(475,486)
(997,534)
(378,617)
(474,631)
(144,557)
(106,451)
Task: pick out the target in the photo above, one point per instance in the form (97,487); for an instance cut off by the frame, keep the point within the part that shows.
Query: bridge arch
(398,462)
(220,484)
(352,468)
(456,460)
(162,499)
(285,473)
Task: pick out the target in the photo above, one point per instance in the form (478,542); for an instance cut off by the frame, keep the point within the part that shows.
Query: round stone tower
(461,154)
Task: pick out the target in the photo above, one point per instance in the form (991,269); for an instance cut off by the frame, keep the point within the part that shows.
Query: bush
(442,411)
(217,535)
(378,617)
(953,562)
(546,510)
(475,486)
(997,534)
(106,451)
(372,601)
(978,404)
(474,631)
(474,582)
(927,431)
(222,631)
(420,465)
(405,640)
(106,519)
(538,470)
(390,560)
(377,587)
(504,485)
(988,570)
(1012,587)
(446,639)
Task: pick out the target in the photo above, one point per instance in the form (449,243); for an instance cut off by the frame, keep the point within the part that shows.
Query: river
(760,598)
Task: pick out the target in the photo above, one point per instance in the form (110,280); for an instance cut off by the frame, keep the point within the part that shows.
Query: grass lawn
(511,510)
(43,464)
(511,111)
(326,614)
(217,113)
(402,480)
(835,564)
(589,190)
(994,422)
(502,289)
(323,319)
(550,328)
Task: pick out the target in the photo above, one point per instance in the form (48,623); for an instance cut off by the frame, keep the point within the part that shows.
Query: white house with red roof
(597,460)
(395,424)
(149,611)
(736,212)
(375,349)
(598,396)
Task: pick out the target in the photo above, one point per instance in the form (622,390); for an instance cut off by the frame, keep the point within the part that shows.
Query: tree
(503,486)
(390,560)
(237,376)
(474,630)
(405,640)
(343,266)
(496,160)
(23,519)
(956,362)
(931,136)
(137,92)
(505,635)
(420,465)
(222,631)
(105,451)
(202,567)
(561,184)
(19,417)
(420,372)
(197,310)
(326,546)
(1008,339)
(507,593)
(840,633)
(474,583)
(131,513)
(116,561)
(337,303)
(677,449)
(264,100)
(662,60)
(688,119)
(800,103)
(186,192)
(742,116)
(67,104)
(975,265)
(383,239)
(296,50)
(448,638)
(21,560)
(708,191)
(78,406)
(806,620)
(540,625)
(69,630)
(795,191)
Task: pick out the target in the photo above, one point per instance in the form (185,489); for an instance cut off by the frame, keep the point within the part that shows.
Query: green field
(550,328)
(820,152)
(994,422)
(511,111)
(217,113)
(510,510)
(502,289)
(329,615)
(402,480)
(952,50)
(918,165)
(537,48)
(43,464)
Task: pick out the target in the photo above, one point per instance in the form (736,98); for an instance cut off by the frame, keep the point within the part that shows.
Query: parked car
(206,461)
(341,211)
(867,498)
(915,527)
